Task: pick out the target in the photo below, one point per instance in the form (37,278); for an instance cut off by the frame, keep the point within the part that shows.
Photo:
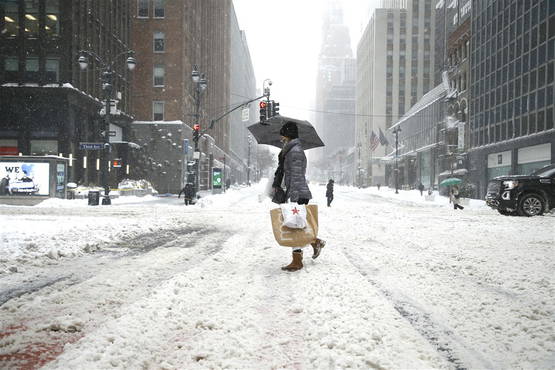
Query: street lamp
(107,87)
(200,83)
(396,132)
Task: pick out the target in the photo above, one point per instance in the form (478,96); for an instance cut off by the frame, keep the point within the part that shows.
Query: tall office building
(242,149)
(171,38)
(394,70)
(512,88)
(48,104)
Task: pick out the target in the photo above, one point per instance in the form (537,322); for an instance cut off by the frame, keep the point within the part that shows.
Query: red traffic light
(196,127)
(262,104)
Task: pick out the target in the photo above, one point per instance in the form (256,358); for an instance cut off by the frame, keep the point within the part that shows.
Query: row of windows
(32,69)
(513,128)
(534,33)
(158,8)
(501,14)
(489,114)
(516,46)
(527,82)
(513,63)
(31,20)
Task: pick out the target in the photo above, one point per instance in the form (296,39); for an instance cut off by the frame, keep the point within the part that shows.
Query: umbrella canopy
(450,181)
(268,133)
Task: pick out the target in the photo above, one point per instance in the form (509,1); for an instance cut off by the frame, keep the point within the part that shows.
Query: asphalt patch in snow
(31,288)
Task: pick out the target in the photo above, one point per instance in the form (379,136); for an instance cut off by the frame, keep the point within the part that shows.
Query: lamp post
(249,138)
(108,88)
(200,85)
(396,132)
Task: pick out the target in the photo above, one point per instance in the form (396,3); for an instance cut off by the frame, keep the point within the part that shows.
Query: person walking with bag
(292,170)
(329,192)
(456,197)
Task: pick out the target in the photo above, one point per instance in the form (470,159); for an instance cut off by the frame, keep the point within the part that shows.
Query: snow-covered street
(149,283)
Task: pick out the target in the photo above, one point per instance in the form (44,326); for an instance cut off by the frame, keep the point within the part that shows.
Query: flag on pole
(383,139)
(374,141)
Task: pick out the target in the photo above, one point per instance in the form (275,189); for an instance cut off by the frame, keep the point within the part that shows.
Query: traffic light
(196,131)
(275,108)
(263,111)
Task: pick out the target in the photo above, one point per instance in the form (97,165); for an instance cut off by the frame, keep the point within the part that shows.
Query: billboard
(24,178)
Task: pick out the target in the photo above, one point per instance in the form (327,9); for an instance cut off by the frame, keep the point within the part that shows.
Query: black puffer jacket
(294,169)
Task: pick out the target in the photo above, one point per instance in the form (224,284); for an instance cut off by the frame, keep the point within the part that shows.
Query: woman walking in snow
(292,169)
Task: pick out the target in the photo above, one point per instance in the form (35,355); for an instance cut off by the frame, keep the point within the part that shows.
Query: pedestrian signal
(263,111)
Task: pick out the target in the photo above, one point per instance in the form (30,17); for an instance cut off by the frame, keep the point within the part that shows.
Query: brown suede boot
(297,262)
(317,246)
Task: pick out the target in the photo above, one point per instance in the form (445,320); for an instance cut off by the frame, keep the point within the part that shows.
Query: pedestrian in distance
(292,170)
(329,192)
(421,188)
(455,197)
(188,193)
(379,186)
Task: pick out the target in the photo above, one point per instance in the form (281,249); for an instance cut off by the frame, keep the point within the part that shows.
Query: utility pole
(249,162)
(200,85)
(396,132)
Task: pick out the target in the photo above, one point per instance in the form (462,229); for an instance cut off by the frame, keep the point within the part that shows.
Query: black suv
(523,195)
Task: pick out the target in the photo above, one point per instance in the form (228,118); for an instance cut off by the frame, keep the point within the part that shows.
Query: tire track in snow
(442,338)
(30,341)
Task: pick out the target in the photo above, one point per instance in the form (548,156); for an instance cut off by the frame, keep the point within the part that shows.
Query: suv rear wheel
(531,205)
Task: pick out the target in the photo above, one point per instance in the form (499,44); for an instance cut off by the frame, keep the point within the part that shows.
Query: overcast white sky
(284,39)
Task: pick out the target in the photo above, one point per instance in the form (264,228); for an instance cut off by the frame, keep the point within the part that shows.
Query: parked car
(24,185)
(523,195)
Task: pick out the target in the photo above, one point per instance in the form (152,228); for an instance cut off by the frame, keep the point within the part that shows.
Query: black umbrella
(268,133)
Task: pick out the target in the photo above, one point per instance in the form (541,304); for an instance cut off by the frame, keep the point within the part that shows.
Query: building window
(158,111)
(159,72)
(52,69)
(44,147)
(158,8)
(142,8)
(31,19)
(52,23)
(159,40)
(32,69)
(11,68)
(11,19)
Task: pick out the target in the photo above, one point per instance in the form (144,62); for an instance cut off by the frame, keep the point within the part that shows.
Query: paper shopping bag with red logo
(289,237)
(294,215)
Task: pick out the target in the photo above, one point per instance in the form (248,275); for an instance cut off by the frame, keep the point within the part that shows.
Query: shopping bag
(289,237)
(294,215)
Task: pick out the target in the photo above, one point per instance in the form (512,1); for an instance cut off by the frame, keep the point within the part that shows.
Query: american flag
(374,141)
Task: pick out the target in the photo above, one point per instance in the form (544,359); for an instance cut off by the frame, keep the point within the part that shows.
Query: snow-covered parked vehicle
(524,195)
(23,185)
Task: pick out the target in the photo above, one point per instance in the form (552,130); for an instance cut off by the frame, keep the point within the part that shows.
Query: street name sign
(245,114)
(91,146)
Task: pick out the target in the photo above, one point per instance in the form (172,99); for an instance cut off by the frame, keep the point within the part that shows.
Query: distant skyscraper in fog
(335,97)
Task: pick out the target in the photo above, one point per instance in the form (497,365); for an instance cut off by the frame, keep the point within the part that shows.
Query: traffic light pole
(196,139)
(105,162)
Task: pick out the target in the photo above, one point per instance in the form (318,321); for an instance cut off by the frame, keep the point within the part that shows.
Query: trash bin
(71,194)
(94,197)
